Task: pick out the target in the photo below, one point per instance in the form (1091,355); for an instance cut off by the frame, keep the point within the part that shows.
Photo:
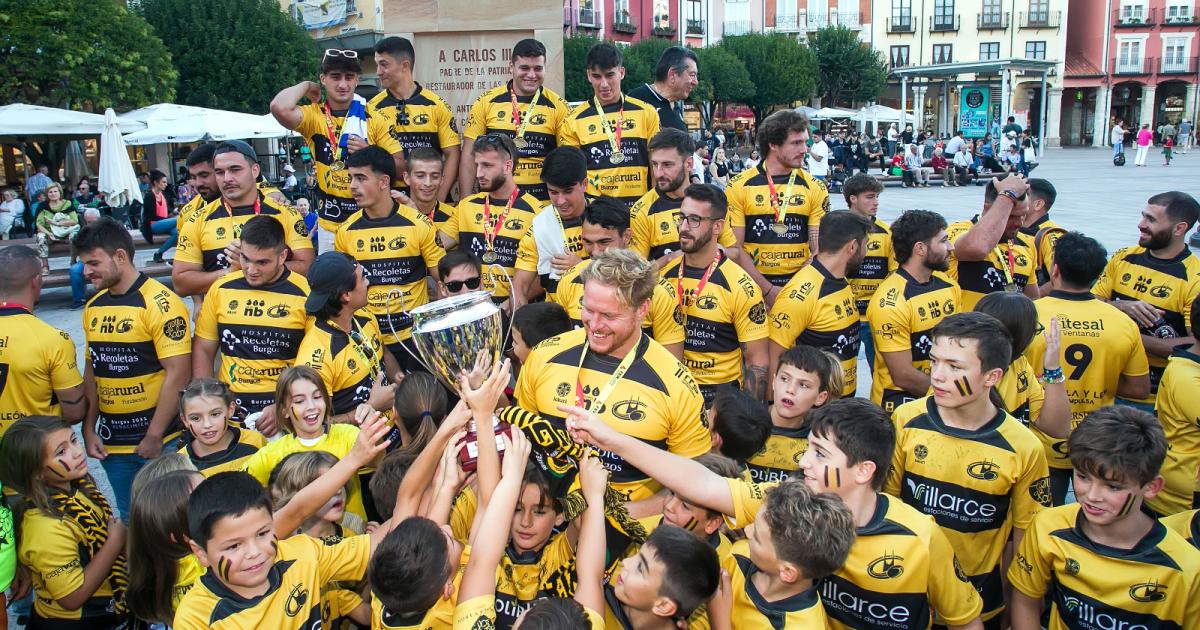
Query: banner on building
(322,13)
(974,103)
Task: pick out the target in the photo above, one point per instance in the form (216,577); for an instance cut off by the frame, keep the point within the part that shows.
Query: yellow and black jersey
(258,330)
(1168,285)
(752,208)
(322,135)
(568,232)
(752,611)
(1021,391)
(127,337)
(493,112)
(1044,233)
(187,210)
(875,266)
(978,485)
(35,360)
(207,232)
(348,363)
(469,229)
(337,441)
(302,566)
(1186,524)
(440,214)
(780,456)
(188,572)
(728,312)
(245,443)
(1099,344)
(1178,409)
(817,309)
(664,321)
(1011,261)
(900,566)
(480,613)
(421,120)
(902,315)
(396,254)
(656,400)
(55,550)
(630,178)
(1156,584)
(524,578)
(655,233)
(439,617)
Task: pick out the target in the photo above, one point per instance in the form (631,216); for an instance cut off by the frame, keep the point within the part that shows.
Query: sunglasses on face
(454,286)
(334,52)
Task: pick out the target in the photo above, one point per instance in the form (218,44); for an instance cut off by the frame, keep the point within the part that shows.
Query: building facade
(689,22)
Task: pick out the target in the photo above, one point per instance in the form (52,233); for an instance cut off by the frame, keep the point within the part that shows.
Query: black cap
(327,277)
(236,146)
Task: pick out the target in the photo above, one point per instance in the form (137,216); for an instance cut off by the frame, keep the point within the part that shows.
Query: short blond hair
(626,271)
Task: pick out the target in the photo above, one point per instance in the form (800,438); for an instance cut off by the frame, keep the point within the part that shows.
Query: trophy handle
(507,333)
(395,293)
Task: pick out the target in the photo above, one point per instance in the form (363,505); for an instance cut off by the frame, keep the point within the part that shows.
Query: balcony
(1184,15)
(944,24)
(1177,65)
(849,19)
(622,23)
(665,30)
(787,23)
(1132,67)
(695,27)
(1134,20)
(589,18)
(737,27)
(992,22)
(901,25)
(1041,19)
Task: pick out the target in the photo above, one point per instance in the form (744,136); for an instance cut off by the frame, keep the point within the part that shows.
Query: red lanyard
(780,207)
(334,143)
(229,211)
(490,235)
(15,305)
(517,119)
(1012,265)
(685,303)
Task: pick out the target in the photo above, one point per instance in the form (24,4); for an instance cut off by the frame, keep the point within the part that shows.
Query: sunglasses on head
(334,52)
(454,286)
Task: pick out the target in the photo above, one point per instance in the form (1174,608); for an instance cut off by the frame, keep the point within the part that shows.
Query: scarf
(94,526)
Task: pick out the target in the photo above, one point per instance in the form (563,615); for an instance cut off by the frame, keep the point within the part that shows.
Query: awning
(33,123)
(167,122)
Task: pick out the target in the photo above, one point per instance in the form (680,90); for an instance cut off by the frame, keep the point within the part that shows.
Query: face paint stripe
(838,473)
(826,476)
(1127,506)
(691,524)
(223,565)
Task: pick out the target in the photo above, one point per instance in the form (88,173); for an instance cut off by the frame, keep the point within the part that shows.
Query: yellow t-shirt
(751,208)
(188,573)
(440,617)
(727,313)
(257,329)
(638,123)
(208,231)
(293,599)
(1021,391)
(817,309)
(780,456)
(978,278)
(337,441)
(245,444)
(878,263)
(348,364)
(35,360)
(524,578)
(902,315)
(978,485)
(752,611)
(492,112)
(1178,410)
(396,254)
(1186,524)
(335,203)
(127,336)
(1045,234)
(1154,585)
(664,321)
(421,120)
(655,234)
(529,253)
(467,227)
(1099,344)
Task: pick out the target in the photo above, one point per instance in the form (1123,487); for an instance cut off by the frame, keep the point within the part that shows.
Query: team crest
(351,364)
(175,329)
(758,313)
(885,567)
(1040,491)
(300,228)
(920,452)
(296,600)
(220,232)
(1072,566)
(1148,592)
(423,119)
(562,390)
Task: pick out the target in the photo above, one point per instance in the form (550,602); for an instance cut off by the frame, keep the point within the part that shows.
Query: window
(1133,13)
(621,12)
(1129,56)
(942,53)
(1174,57)
(1039,10)
(899,56)
(901,12)
(1179,12)
(1035,50)
(943,14)
(989,51)
(991,11)
(694,12)
(587,13)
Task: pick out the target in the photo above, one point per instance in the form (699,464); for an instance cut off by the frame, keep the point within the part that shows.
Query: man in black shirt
(675,76)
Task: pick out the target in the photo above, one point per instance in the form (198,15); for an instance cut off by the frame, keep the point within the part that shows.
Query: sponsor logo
(296,600)
(758,313)
(175,329)
(1147,592)
(279,311)
(886,567)
(630,410)
(836,596)
(1040,490)
(1072,566)
(984,470)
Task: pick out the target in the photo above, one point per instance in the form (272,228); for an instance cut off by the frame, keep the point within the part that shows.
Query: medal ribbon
(4,304)
(614,138)
(521,121)
(335,144)
(685,303)
(613,379)
(780,206)
(490,230)
(1009,269)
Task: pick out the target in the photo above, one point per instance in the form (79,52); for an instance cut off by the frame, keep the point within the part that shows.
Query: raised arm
(285,107)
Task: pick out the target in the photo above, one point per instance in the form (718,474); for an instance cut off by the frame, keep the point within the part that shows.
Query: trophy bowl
(451,332)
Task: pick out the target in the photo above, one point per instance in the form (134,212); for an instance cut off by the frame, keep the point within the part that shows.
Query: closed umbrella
(118,181)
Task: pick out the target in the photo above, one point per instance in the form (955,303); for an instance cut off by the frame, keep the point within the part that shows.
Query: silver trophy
(451,333)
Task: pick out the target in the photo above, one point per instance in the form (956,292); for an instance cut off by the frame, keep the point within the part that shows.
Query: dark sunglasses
(366,349)
(454,286)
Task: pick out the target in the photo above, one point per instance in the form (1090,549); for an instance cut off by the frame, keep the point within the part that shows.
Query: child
(534,323)
(160,467)
(8,558)
(331,523)
(963,460)
(162,568)
(206,407)
(1103,562)
(805,378)
(738,423)
(70,540)
(303,411)
(1168,143)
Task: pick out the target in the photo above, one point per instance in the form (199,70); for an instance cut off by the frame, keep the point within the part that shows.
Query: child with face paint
(206,408)
(1105,550)
(72,544)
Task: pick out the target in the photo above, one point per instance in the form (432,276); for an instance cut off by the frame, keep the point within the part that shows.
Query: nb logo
(254,308)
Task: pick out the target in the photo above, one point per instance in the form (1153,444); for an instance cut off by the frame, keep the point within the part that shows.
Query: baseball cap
(237,146)
(289,168)
(327,277)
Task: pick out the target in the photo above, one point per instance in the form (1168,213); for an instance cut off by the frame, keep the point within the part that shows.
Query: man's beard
(674,185)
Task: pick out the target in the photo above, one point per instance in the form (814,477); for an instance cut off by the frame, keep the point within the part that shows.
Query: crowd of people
(674,437)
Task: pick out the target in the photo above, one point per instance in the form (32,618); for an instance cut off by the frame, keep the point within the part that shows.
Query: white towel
(549,238)
(355,123)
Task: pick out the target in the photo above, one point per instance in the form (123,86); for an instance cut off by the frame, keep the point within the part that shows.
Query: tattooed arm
(756,356)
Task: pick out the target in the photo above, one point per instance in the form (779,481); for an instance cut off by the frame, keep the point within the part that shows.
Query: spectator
(84,195)
(304,208)
(38,183)
(718,169)
(818,157)
(914,166)
(144,182)
(1144,139)
(753,160)
(736,165)
(1012,127)
(1183,139)
(941,165)
(856,157)
(1117,137)
(719,137)
(964,164)
(699,157)
(12,209)
(954,145)
(987,155)
(893,136)
(897,168)
(906,138)
(289,180)
(874,151)
(158,214)
(57,221)
(1011,159)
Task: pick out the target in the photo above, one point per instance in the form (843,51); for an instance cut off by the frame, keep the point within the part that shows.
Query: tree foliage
(640,60)
(575,80)
(232,54)
(723,77)
(782,70)
(849,70)
(82,55)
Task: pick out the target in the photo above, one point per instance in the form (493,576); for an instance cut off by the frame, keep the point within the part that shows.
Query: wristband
(1053,377)
(1010,194)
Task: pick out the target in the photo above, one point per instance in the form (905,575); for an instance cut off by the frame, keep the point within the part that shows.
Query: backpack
(1119,159)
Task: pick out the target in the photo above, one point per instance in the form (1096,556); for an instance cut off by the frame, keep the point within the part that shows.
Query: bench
(61,277)
(64,249)
(978,180)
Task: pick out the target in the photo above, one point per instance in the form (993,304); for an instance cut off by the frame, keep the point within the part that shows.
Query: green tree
(640,60)
(575,77)
(849,70)
(723,79)
(782,70)
(232,54)
(79,54)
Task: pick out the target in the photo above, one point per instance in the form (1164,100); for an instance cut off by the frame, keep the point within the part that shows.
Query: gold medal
(520,143)
(617,157)
(779,228)
(1012,287)
(337,165)
(489,257)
